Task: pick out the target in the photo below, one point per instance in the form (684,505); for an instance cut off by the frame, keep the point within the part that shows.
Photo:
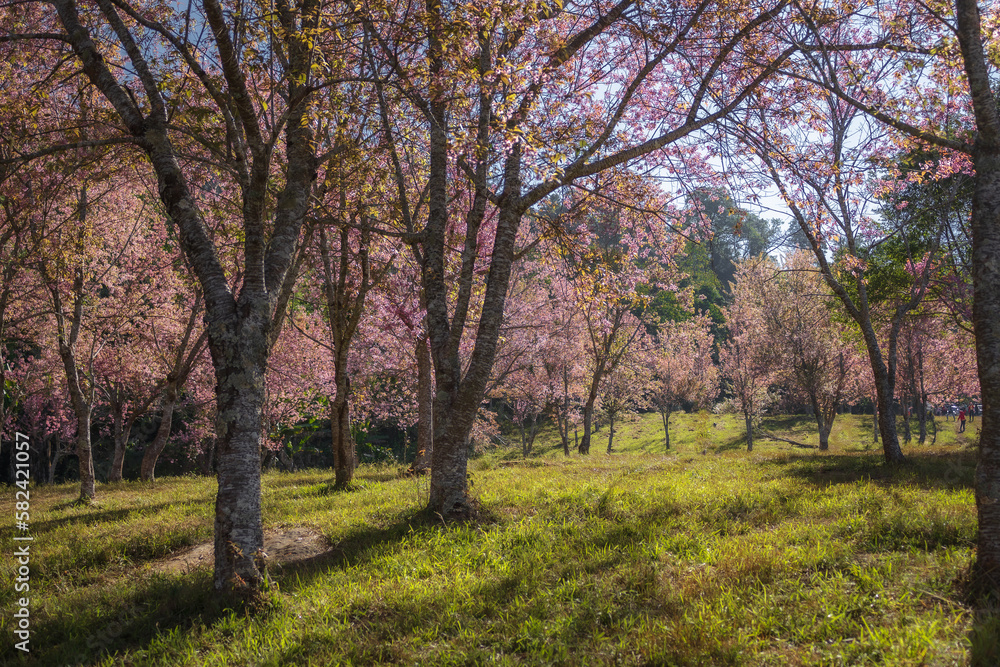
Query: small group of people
(961,413)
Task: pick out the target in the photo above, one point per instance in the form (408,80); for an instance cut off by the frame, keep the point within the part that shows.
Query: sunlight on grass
(703,556)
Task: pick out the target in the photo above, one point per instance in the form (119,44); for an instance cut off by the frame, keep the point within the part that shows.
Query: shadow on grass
(358,546)
(985,639)
(982,593)
(734,444)
(928,470)
(281,479)
(94,514)
(164,604)
(790,423)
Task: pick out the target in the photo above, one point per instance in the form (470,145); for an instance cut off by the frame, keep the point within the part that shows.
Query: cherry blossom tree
(819,160)
(812,354)
(28,196)
(623,391)
(682,369)
(745,360)
(252,98)
(929,79)
(513,96)
(937,364)
(180,351)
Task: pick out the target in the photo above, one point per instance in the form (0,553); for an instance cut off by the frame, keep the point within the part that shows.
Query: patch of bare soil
(285,546)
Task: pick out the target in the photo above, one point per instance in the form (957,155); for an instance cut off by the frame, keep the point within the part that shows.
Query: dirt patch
(283,547)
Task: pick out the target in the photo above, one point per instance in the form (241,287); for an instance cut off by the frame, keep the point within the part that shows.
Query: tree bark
(458,397)
(528,433)
(907,436)
(824,420)
(611,432)
(749,424)
(240,352)
(81,391)
(588,418)
(54,458)
(155,448)
(665,414)
(122,429)
(344,454)
(562,423)
(985,223)
(986,321)
(122,423)
(884,393)
(185,358)
(562,416)
(82,408)
(824,438)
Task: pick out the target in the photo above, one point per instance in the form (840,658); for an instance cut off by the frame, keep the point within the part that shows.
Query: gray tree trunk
(824,421)
(588,417)
(122,429)
(239,352)
(154,449)
(239,327)
(611,432)
(665,414)
(344,454)
(986,285)
(81,388)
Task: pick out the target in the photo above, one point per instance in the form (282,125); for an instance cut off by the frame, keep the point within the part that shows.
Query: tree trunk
(528,433)
(588,418)
(665,414)
(986,316)
(344,454)
(84,453)
(344,309)
(81,390)
(824,438)
(823,425)
(118,460)
(611,432)
(886,413)
(749,424)
(875,419)
(80,398)
(425,408)
(208,457)
(922,420)
(122,430)
(155,448)
(562,416)
(533,433)
(240,358)
(921,393)
(449,495)
(54,457)
(985,223)
(906,419)
(459,397)
(562,423)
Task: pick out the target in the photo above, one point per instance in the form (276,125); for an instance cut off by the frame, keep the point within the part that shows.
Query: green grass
(705,556)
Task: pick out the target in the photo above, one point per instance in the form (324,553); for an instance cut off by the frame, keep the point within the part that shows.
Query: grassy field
(707,555)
